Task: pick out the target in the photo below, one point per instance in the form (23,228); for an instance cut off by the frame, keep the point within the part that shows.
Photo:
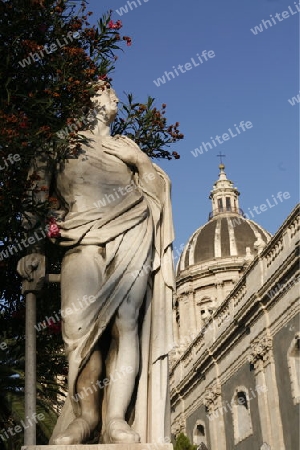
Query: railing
(228,209)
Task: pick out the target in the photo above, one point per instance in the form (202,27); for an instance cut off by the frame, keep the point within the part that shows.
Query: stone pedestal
(101,447)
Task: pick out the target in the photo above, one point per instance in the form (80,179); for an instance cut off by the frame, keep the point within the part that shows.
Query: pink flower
(128,40)
(115,26)
(53,230)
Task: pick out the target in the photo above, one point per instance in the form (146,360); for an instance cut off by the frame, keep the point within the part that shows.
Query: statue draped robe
(135,227)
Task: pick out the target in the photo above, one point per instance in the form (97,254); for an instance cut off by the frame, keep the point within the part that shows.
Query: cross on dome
(221,156)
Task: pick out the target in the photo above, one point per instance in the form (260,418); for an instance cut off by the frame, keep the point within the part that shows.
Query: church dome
(227,234)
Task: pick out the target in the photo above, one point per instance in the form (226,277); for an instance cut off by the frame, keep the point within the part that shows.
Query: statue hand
(28,264)
(127,150)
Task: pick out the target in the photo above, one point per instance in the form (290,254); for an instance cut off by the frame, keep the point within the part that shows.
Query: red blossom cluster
(128,40)
(115,26)
(54,327)
(53,231)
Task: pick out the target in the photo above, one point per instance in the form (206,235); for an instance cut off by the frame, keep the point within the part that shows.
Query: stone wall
(250,342)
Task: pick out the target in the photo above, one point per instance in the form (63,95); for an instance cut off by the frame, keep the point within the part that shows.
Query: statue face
(107,103)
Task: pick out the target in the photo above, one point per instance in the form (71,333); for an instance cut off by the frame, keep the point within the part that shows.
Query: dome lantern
(224,196)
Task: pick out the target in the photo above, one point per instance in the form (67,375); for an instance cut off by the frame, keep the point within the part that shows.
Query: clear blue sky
(250,78)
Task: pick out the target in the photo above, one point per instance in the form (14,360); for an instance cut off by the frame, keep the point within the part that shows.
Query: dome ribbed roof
(223,236)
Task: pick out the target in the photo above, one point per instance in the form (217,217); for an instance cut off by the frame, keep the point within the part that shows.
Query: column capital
(212,397)
(261,352)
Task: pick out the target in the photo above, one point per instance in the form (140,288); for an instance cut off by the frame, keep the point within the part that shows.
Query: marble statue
(117,227)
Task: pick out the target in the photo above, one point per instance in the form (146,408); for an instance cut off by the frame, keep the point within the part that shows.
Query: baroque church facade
(235,368)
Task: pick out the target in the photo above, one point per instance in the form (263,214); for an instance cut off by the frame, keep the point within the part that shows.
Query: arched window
(199,434)
(177,314)
(242,423)
(293,358)
(220,205)
(228,204)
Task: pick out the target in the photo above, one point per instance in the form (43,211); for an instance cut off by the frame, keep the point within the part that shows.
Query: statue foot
(77,433)
(119,432)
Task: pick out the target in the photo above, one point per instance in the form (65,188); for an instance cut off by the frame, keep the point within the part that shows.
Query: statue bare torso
(95,175)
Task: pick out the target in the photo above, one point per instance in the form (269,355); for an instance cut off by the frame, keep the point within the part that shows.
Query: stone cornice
(280,276)
(291,220)
(197,271)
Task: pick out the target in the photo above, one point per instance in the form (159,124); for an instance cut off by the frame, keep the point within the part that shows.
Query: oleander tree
(51,58)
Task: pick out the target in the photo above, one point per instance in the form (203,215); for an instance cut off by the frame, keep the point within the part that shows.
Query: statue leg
(81,428)
(80,277)
(123,365)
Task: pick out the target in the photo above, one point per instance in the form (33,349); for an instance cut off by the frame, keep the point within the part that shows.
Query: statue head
(105,104)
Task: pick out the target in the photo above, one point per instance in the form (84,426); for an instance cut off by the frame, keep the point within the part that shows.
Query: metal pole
(30,369)
(31,288)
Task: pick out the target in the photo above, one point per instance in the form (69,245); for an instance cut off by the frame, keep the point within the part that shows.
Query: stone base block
(101,447)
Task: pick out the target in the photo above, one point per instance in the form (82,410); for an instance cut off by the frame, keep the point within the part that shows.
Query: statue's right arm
(39,176)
